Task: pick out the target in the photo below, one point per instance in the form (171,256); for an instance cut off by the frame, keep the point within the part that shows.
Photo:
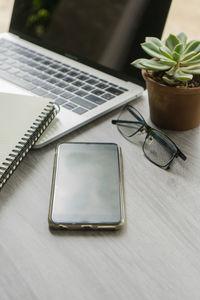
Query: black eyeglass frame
(148,131)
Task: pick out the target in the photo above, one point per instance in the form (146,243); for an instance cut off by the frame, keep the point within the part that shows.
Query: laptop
(78,52)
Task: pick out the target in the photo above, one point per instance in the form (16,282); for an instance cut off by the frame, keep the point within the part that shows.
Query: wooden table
(157,254)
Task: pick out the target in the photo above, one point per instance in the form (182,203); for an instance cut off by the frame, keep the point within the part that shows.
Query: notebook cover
(22,121)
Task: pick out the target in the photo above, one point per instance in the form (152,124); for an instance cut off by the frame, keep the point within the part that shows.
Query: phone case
(53,225)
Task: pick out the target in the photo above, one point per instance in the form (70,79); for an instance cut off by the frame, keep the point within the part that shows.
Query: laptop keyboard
(70,87)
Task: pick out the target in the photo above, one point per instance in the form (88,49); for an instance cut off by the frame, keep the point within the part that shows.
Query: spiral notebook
(22,121)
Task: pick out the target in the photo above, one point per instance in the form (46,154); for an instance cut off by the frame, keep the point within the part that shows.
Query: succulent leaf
(151,49)
(193,60)
(187,55)
(138,63)
(182,38)
(153,40)
(169,80)
(180,75)
(155,65)
(172,41)
(176,56)
(171,71)
(179,48)
(193,69)
(168,62)
(166,52)
(192,46)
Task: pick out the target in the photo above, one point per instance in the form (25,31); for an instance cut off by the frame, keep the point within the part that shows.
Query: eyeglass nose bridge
(149,139)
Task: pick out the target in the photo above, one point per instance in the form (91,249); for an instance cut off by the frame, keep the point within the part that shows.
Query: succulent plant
(178,59)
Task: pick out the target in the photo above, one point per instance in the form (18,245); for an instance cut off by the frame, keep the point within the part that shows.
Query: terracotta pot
(171,107)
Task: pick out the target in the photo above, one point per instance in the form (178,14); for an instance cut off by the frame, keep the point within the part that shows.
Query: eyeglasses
(157,146)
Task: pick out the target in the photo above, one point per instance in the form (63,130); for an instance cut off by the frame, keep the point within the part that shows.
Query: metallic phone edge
(60,226)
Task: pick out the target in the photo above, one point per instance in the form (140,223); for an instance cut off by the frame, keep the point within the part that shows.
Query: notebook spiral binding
(27,141)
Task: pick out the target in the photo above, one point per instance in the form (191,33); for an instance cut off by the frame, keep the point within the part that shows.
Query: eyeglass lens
(158,148)
(130,122)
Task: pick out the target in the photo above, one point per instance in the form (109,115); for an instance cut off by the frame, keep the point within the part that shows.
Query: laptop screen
(105,34)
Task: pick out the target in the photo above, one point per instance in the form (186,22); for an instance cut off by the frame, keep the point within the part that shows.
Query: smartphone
(87,187)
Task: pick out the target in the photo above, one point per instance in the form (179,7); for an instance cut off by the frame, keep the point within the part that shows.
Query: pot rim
(172,89)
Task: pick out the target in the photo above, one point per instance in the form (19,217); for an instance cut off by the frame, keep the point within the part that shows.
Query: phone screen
(87,184)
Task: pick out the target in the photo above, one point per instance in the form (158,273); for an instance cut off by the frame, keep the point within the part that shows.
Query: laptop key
(95,99)
(104,81)
(59,75)
(60,101)
(123,89)
(88,87)
(32,64)
(82,77)
(69,79)
(81,93)
(55,66)
(39,92)
(46,62)
(71,88)
(62,84)
(114,91)
(50,71)
(52,96)
(43,76)
(70,106)
(47,86)
(78,83)
(93,76)
(41,68)
(28,78)
(67,95)
(98,92)
(108,96)
(113,84)
(29,54)
(20,74)
(92,81)
(26,69)
(37,58)
(57,91)
(34,72)
(102,85)
(82,102)
(64,70)
(80,110)
(73,73)
(53,80)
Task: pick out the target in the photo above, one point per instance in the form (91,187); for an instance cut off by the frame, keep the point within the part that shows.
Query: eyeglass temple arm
(181,154)
(125,121)
(140,121)
(135,115)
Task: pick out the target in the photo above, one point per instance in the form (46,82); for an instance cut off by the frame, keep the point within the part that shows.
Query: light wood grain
(156,256)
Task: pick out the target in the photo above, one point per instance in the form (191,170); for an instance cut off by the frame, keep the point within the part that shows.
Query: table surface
(155,256)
